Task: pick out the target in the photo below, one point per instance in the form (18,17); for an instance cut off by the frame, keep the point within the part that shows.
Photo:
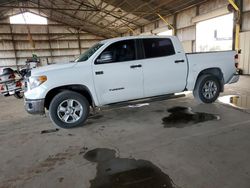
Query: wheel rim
(209,90)
(70,111)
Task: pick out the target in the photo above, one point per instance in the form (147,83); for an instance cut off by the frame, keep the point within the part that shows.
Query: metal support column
(237,6)
(79,42)
(168,24)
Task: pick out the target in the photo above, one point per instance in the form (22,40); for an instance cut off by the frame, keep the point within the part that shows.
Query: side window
(118,52)
(158,47)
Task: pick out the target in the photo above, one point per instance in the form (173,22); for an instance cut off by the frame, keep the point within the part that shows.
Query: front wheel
(69,109)
(207,89)
(19,95)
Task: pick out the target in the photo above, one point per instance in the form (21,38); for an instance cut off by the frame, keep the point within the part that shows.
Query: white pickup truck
(125,69)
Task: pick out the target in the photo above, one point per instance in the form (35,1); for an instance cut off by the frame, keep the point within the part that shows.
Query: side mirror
(106,57)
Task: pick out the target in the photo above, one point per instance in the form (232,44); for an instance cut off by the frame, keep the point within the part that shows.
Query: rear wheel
(207,89)
(69,109)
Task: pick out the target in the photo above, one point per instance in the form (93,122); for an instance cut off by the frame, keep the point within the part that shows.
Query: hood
(48,68)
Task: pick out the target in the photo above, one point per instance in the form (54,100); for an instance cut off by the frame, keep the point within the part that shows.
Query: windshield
(87,54)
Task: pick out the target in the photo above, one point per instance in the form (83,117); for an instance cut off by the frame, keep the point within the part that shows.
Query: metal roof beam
(81,20)
(47,8)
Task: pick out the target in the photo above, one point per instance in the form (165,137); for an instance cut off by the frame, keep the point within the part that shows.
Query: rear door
(164,68)
(120,79)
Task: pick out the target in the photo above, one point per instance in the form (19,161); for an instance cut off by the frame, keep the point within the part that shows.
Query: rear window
(158,47)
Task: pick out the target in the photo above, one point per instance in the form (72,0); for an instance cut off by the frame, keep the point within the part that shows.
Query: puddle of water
(115,172)
(181,117)
(237,101)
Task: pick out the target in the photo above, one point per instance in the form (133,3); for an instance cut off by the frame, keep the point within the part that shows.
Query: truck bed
(223,60)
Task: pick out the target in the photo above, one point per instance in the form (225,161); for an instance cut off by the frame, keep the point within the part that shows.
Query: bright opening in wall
(28,18)
(215,34)
(166,33)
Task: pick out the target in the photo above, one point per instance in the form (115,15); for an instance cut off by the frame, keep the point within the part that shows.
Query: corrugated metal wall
(54,43)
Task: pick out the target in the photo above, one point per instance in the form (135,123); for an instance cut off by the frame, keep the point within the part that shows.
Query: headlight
(35,81)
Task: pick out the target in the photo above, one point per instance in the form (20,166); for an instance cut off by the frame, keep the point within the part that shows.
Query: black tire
(19,95)
(200,93)
(59,100)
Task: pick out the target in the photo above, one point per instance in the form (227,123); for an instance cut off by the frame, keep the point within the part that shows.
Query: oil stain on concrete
(181,117)
(115,172)
(97,116)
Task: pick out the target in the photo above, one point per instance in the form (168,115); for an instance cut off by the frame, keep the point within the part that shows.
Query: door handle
(135,66)
(99,72)
(180,61)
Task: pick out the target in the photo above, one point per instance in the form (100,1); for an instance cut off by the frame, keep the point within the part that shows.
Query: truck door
(118,76)
(164,68)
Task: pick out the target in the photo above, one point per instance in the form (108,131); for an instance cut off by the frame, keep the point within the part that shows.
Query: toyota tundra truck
(126,69)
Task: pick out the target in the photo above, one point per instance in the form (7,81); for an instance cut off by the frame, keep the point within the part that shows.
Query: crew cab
(126,69)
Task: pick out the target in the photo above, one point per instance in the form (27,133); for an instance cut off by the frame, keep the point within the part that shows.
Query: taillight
(236,59)
(1,87)
(12,76)
(18,84)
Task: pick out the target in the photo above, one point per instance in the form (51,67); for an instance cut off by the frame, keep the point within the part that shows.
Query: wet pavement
(133,149)
(237,101)
(116,172)
(181,117)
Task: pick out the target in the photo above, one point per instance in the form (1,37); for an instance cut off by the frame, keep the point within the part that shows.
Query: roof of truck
(135,37)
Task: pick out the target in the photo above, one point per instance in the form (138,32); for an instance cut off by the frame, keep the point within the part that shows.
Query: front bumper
(235,78)
(34,106)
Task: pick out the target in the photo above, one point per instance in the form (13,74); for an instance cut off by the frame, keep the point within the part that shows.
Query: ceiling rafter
(171,12)
(100,6)
(77,27)
(108,33)
(8,2)
(120,4)
(153,11)
(102,17)
(181,9)
(86,13)
(47,8)
(107,12)
(137,8)
(82,20)
(78,9)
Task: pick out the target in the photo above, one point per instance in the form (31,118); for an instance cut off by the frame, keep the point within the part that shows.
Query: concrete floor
(212,154)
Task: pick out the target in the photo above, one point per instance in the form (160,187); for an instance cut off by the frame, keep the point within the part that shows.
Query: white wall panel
(61,44)
(245,53)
